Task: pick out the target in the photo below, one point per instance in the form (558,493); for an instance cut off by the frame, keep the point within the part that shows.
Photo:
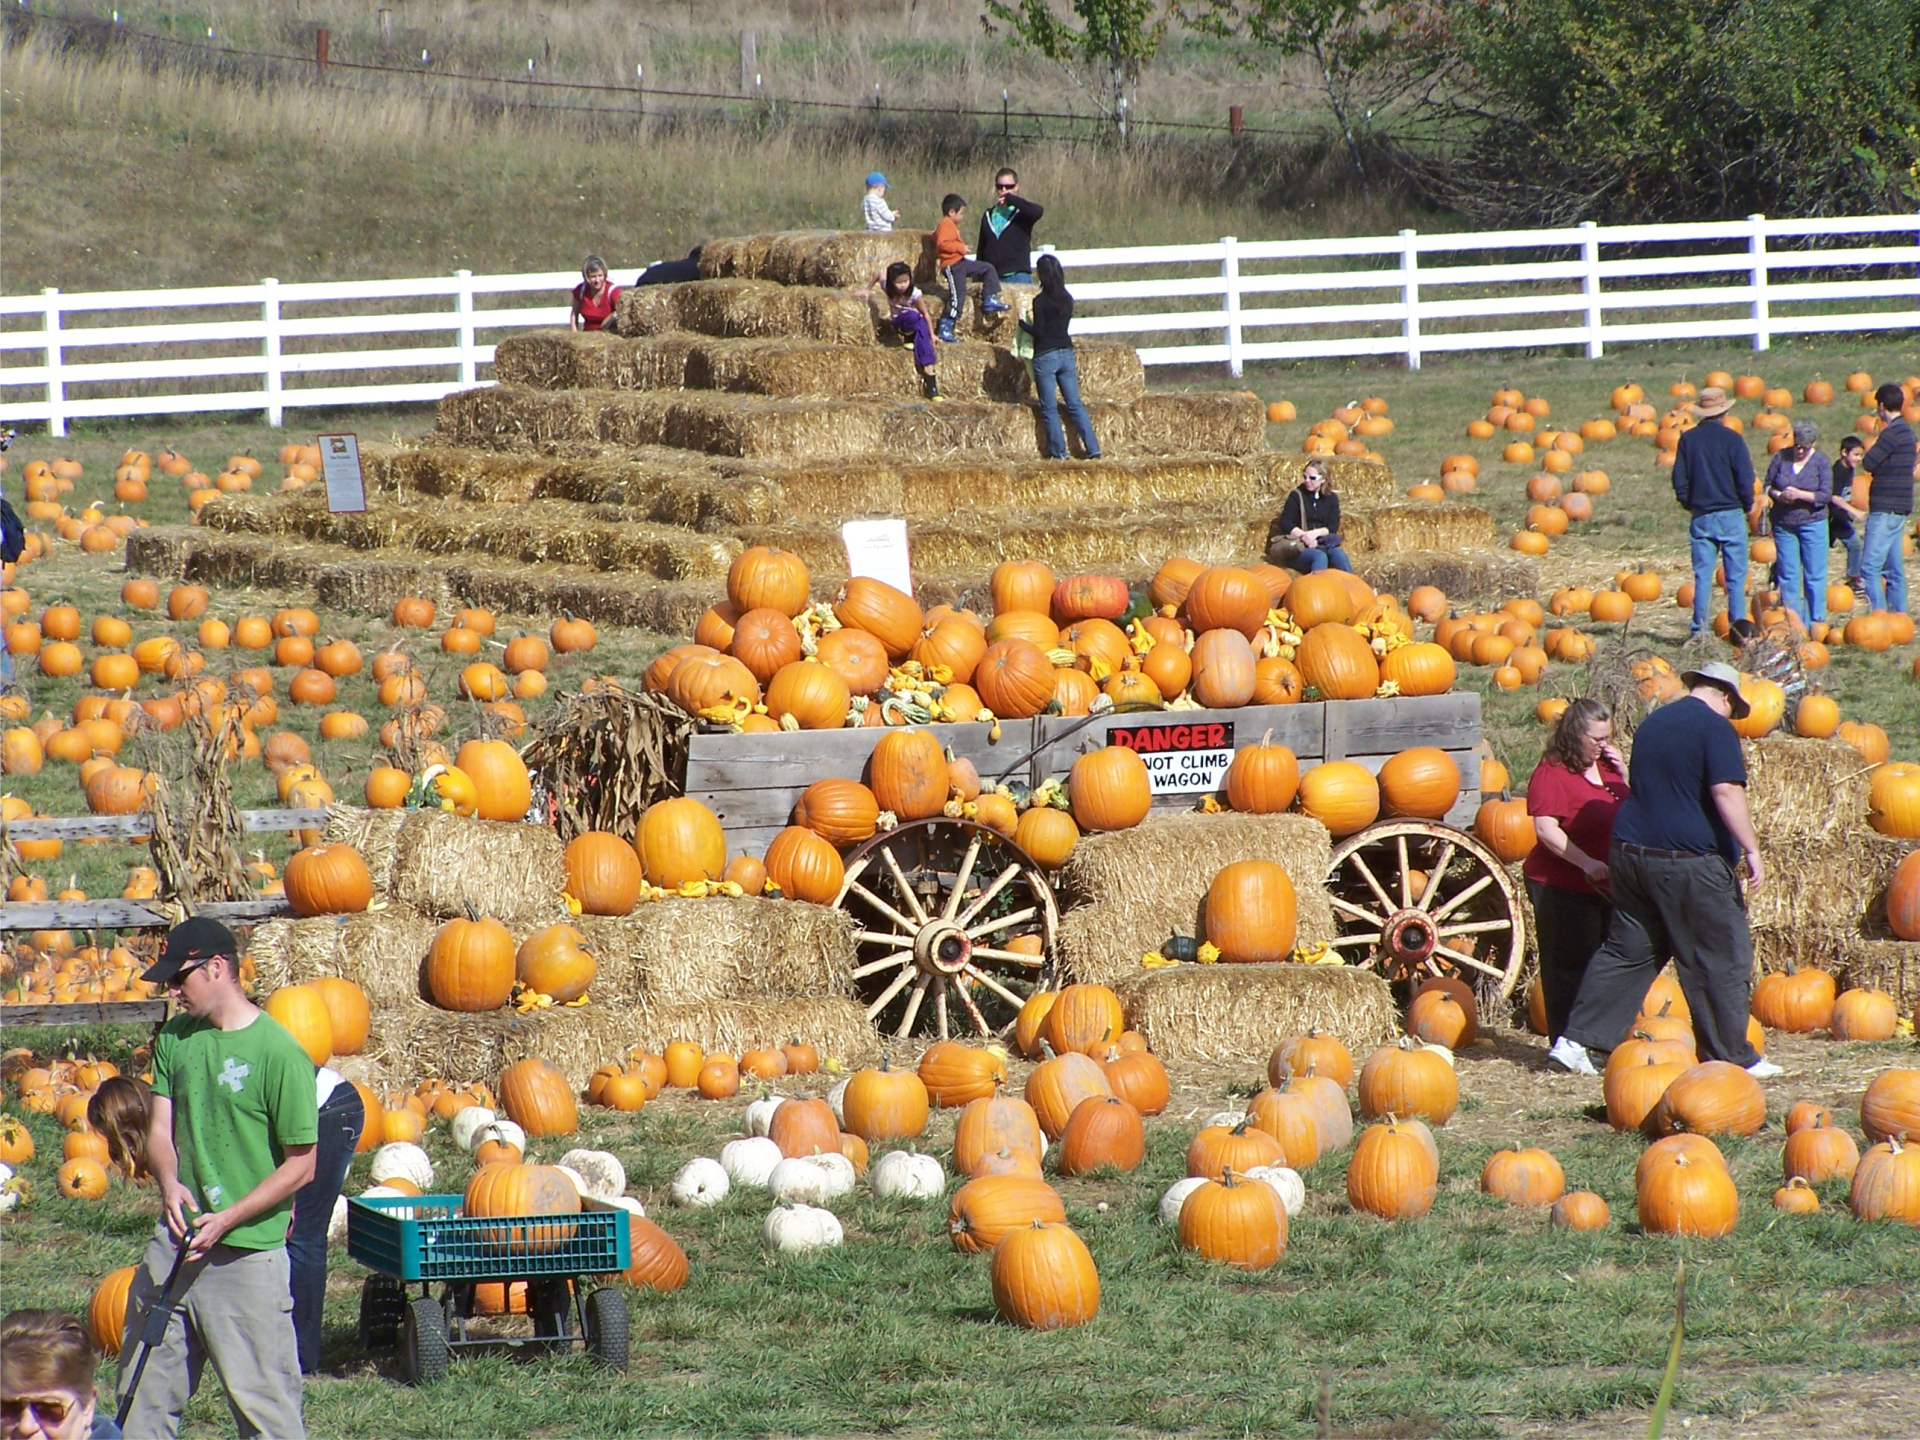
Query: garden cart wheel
(425,1351)
(956,927)
(1415,899)
(382,1303)
(606,1327)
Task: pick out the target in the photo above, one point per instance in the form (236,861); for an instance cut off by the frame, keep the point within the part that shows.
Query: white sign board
(1183,758)
(340,467)
(877,549)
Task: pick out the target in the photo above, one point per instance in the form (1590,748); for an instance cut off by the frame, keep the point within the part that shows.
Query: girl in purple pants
(907,312)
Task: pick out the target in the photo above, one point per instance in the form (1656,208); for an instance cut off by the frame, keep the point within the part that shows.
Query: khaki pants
(238,1313)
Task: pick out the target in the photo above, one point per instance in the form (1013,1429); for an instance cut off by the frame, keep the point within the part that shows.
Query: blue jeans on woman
(1718,536)
(1315,558)
(342,1119)
(1056,368)
(1881,563)
(1800,567)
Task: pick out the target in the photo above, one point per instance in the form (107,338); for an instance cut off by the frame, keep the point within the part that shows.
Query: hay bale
(1240,1012)
(667,608)
(694,952)
(839,1027)
(1132,889)
(975,324)
(1471,577)
(444,863)
(841,259)
(748,309)
(380,951)
(160,550)
(593,360)
(736,257)
(1832,885)
(1889,965)
(415,1041)
(352,582)
(1161,423)
(1807,789)
(374,833)
(1396,529)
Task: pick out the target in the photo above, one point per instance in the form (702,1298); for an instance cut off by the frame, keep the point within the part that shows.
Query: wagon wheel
(1463,919)
(937,902)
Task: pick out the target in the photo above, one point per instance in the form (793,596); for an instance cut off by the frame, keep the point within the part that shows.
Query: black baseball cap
(189,943)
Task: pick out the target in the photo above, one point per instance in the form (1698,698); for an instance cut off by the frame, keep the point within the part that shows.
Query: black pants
(341,1120)
(1570,927)
(1688,908)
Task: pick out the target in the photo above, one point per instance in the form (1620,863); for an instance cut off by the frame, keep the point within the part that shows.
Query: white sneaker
(1765,1069)
(1571,1056)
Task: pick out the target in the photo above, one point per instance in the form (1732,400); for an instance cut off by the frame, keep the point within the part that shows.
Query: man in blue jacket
(1889,503)
(1713,478)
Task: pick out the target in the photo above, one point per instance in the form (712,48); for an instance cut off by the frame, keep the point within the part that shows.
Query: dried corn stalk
(605,756)
(196,836)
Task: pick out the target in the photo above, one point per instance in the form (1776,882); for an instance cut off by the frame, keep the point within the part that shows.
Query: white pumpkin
(760,1114)
(504,1131)
(402,1160)
(1227,1119)
(628,1204)
(699,1183)
(337,1222)
(1176,1197)
(836,1097)
(811,1179)
(906,1175)
(750,1161)
(1286,1183)
(10,1189)
(606,1177)
(468,1123)
(578,1180)
(792,1229)
(378,1192)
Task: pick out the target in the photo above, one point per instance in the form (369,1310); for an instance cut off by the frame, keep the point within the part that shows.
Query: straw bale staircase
(616,476)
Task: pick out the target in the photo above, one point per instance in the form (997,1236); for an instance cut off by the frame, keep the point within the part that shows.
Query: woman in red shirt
(1579,784)
(593,298)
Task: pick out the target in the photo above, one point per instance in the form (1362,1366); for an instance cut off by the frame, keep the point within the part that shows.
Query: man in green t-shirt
(232,1139)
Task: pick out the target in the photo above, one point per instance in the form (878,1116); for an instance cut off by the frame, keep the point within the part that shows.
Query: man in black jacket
(1713,478)
(1006,230)
(1889,503)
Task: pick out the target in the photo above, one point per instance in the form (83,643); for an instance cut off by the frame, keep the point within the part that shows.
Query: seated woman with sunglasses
(46,1380)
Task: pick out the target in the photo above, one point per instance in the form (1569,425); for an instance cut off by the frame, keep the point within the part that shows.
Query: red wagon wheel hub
(1410,938)
(942,948)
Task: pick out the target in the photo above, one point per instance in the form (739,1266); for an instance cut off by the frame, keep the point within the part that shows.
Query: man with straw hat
(1675,890)
(1713,478)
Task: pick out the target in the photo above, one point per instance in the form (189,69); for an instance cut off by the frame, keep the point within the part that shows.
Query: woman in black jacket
(1306,537)
(1053,362)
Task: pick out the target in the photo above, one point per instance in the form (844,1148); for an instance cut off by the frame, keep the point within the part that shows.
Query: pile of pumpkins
(91,530)
(1519,415)
(60,1088)
(1346,432)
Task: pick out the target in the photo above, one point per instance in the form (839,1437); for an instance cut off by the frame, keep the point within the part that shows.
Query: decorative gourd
(1109,789)
(470,965)
(537,1098)
(1393,1173)
(680,840)
(1341,795)
(699,1184)
(985,1211)
(1250,913)
(1238,1223)
(1044,1279)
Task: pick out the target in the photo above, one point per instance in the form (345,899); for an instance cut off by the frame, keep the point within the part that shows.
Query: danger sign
(1182,759)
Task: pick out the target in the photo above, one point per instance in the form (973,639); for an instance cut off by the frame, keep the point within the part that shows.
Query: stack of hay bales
(1133,889)
(725,972)
(1824,899)
(616,476)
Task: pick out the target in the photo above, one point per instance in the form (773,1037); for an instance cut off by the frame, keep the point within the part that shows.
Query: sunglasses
(180,977)
(46,1410)
(1007,185)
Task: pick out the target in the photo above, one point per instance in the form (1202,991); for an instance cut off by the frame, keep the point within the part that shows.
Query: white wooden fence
(1228,302)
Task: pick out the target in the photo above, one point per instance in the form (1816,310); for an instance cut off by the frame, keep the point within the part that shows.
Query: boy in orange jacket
(950,255)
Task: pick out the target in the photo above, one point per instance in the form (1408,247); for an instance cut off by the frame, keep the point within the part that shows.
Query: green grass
(1470,1322)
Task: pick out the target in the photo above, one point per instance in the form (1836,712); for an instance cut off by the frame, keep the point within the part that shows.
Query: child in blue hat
(874,208)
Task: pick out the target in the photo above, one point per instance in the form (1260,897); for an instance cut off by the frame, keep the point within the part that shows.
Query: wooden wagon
(956,923)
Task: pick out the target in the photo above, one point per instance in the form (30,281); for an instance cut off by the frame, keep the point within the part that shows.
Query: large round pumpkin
(804,866)
(762,577)
(815,695)
(107,1311)
(1338,662)
(537,1098)
(764,640)
(470,965)
(1422,781)
(889,615)
(908,774)
(1227,597)
(1020,585)
(1320,599)
(1422,668)
(1109,789)
(1250,913)
(1223,670)
(712,682)
(1044,1278)
(507,1188)
(603,873)
(554,962)
(327,880)
(856,657)
(502,788)
(1342,795)
(347,1010)
(680,840)
(1262,779)
(302,1011)
(842,812)
(1015,679)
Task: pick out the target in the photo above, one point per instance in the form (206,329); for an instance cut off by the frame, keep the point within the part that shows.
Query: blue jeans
(1315,558)
(1853,544)
(1881,562)
(1056,368)
(1718,535)
(341,1121)
(1800,565)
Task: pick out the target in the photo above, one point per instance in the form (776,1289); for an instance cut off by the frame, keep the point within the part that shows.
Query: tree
(1117,37)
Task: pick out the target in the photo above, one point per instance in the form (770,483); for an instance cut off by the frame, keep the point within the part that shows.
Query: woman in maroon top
(1579,784)
(593,298)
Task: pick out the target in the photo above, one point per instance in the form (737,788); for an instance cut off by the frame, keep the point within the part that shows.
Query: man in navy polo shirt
(1889,503)
(1713,478)
(1671,873)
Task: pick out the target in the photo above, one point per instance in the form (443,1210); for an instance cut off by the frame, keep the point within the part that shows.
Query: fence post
(270,320)
(749,64)
(322,43)
(1410,293)
(463,303)
(1757,248)
(1230,273)
(1590,287)
(56,387)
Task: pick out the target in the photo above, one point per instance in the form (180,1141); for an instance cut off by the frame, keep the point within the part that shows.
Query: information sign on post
(340,468)
(877,549)
(1183,758)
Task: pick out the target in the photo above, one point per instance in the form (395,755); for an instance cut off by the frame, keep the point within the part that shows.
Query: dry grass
(1478,577)
(1397,529)
(446,864)
(1132,889)
(380,951)
(1814,790)
(696,952)
(1240,1012)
